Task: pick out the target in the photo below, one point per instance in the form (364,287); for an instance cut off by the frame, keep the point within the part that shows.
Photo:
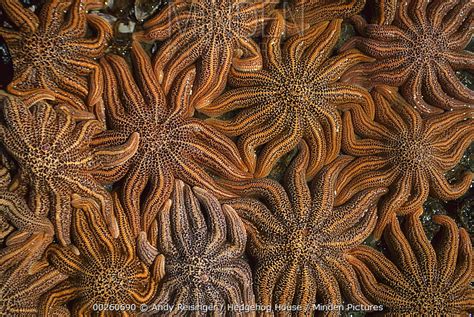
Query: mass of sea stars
(238,158)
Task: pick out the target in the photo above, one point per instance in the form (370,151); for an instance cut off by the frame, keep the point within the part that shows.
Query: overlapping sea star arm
(174,144)
(401,151)
(216,34)
(298,238)
(418,276)
(304,13)
(102,267)
(420,52)
(55,155)
(296,96)
(203,243)
(56,53)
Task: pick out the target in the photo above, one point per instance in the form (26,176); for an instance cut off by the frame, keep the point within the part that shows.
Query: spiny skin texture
(419,278)
(56,158)
(296,96)
(102,269)
(53,52)
(203,244)
(401,151)
(299,239)
(214,33)
(24,280)
(303,13)
(18,221)
(385,11)
(173,144)
(421,51)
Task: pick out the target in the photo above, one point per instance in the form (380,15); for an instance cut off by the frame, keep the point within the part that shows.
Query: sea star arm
(465,262)
(61,294)
(272,44)
(239,98)
(115,109)
(419,194)
(334,67)
(237,235)
(10,35)
(23,18)
(62,216)
(366,262)
(90,250)
(422,247)
(165,237)
(304,45)
(147,81)
(347,279)
(245,123)
(356,146)
(182,91)
(341,94)
(395,197)
(52,15)
(268,191)
(217,223)
(461,60)
(131,95)
(295,182)
(354,215)
(266,277)
(216,161)
(249,141)
(447,191)
(438,10)
(16,211)
(210,136)
(462,13)
(160,186)
(323,189)
(452,84)
(212,80)
(249,57)
(363,125)
(258,215)
(95,44)
(329,288)
(314,140)
(167,52)
(282,144)
(447,246)
(163,24)
(195,174)
(111,156)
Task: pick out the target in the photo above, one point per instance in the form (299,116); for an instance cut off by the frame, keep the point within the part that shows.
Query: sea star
(102,269)
(401,151)
(298,239)
(53,52)
(18,221)
(23,281)
(23,278)
(55,156)
(296,96)
(423,279)
(215,33)
(203,244)
(173,144)
(421,51)
(304,13)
